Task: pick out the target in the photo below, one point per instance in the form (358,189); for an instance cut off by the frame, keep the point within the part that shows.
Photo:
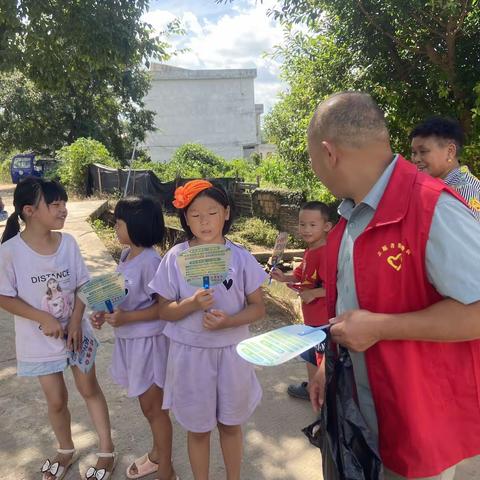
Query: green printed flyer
(210,261)
(104,292)
(280,345)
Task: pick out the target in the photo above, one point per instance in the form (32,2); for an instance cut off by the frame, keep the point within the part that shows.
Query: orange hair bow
(186,193)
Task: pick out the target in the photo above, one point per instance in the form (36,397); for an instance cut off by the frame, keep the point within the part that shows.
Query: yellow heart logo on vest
(395,261)
(474,204)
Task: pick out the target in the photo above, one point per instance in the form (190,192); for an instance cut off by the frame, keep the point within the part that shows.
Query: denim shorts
(36,369)
(309,356)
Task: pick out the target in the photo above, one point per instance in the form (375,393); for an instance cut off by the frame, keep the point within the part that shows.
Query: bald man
(403,289)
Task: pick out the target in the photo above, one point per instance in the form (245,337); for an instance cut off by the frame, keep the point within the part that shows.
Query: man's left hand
(356,330)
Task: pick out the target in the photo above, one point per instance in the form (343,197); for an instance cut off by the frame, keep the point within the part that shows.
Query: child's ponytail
(30,191)
(12,227)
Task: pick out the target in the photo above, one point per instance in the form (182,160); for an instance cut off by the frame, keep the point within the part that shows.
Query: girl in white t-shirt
(41,272)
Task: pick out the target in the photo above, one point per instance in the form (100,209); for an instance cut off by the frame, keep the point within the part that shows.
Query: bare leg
(91,392)
(231,441)
(161,426)
(199,454)
(311,370)
(55,391)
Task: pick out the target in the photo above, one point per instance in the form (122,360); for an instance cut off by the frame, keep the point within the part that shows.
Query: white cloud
(236,38)
(159,19)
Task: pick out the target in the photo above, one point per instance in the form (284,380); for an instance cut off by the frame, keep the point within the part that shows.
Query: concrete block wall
(278,206)
(214,108)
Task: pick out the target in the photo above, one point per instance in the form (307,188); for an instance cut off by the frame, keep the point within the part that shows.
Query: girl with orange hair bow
(207,383)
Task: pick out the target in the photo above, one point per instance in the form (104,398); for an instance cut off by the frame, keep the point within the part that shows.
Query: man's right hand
(317,388)
(51,327)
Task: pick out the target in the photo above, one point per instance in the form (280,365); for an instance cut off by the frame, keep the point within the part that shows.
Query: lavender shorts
(206,386)
(139,363)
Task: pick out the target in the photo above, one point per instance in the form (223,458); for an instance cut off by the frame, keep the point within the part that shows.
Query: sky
(232,35)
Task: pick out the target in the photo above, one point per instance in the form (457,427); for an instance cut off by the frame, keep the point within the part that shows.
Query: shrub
(156,167)
(471,157)
(321,193)
(254,231)
(5,176)
(5,162)
(255,158)
(245,169)
(195,161)
(75,159)
(273,171)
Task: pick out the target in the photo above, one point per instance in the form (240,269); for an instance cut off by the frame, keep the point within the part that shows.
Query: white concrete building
(215,108)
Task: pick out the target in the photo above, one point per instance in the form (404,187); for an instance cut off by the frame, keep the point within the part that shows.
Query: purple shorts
(139,363)
(206,386)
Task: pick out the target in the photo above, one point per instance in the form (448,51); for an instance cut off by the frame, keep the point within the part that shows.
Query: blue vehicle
(26,164)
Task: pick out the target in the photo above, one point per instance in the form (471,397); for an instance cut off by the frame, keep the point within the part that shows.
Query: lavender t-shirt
(244,277)
(46,282)
(138,273)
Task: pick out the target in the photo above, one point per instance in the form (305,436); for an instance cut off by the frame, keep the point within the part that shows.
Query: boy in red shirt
(314,222)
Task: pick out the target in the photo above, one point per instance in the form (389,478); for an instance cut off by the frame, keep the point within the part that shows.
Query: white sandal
(57,470)
(101,473)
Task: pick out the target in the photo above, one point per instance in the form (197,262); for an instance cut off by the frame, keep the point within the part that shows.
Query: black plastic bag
(349,449)
(314,433)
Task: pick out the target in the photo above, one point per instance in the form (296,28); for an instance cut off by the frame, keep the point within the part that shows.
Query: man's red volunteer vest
(426,394)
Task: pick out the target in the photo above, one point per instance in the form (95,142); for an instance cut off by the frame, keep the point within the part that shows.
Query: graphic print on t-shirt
(314,281)
(57,301)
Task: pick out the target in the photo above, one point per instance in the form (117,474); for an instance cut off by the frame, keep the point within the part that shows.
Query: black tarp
(102,179)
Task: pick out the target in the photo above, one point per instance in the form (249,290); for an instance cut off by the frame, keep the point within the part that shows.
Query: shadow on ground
(275,448)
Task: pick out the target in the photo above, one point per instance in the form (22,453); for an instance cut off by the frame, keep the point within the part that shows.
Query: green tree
(88,58)
(245,168)
(29,118)
(310,78)
(10,27)
(74,161)
(417,58)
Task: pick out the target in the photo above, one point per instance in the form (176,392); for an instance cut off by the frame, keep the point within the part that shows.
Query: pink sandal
(144,467)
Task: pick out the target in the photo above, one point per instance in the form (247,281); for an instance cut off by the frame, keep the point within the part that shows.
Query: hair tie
(185,194)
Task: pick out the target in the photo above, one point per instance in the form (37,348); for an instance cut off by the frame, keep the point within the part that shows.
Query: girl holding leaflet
(140,353)
(40,265)
(208,384)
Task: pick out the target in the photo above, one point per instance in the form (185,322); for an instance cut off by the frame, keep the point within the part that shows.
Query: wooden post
(99,179)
